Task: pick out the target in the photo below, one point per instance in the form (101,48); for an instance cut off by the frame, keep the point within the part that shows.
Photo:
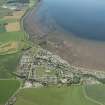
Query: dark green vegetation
(8,64)
(7,88)
(53,96)
(96,92)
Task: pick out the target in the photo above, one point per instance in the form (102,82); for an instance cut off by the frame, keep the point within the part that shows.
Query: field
(3,21)
(4,12)
(5,25)
(11,44)
(7,88)
(8,64)
(96,92)
(12,37)
(16,15)
(13,21)
(12,40)
(8,48)
(53,96)
(13,27)
(10,52)
(43,70)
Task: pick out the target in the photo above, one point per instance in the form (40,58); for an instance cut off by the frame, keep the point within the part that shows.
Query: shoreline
(80,53)
(27,12)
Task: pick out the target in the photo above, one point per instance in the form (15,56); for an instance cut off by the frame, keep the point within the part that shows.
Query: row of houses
(63,72)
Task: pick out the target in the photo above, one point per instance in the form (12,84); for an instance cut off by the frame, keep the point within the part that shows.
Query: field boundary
(90,99)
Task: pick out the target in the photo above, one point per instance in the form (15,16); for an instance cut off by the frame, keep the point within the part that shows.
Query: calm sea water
(84,18)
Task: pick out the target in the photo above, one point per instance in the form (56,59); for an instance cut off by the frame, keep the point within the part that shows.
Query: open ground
(12,40)
(7,88)
(53,96)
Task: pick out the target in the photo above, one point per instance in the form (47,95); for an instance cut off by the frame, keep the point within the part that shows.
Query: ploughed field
(73,95)
(7,89)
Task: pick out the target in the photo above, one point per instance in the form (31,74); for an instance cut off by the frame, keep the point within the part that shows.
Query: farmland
(4,12)
(11,36)
(8,64)
(46,78)
(7,88)
(96,92)
(12,40)
(53,96)
(10,52)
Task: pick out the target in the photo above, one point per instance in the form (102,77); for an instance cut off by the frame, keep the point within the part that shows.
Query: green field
(7,88)
(11,44)
(9,62)
(11,36)
(96,92)
(3,21)
(4,12)
(42,70)
(53,96)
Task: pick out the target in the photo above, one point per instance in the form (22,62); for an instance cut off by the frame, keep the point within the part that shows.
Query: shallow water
(67,27)
(84,18)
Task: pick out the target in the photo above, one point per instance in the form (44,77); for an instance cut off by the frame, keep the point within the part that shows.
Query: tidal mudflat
(79,39)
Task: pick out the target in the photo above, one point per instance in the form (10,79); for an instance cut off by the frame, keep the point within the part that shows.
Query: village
(32,75)
(39,67)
